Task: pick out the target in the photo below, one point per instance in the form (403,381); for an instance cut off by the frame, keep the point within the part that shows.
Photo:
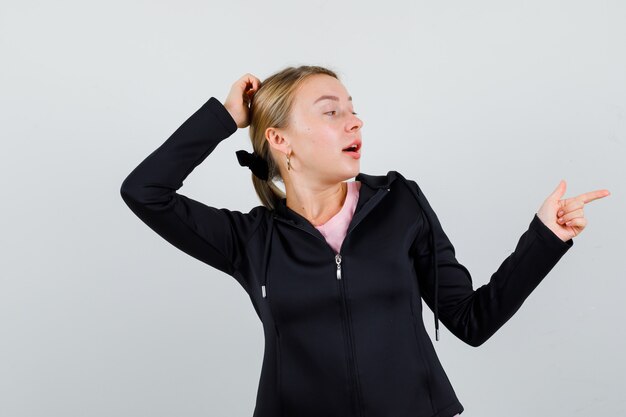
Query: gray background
(486,105)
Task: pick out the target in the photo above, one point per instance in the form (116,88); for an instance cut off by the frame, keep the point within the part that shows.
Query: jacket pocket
(279,391)
(420,352)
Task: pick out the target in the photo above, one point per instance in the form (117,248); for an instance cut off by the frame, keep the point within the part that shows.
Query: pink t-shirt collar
(335,229)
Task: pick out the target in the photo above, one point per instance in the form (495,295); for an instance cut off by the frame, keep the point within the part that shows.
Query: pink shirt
(335,228)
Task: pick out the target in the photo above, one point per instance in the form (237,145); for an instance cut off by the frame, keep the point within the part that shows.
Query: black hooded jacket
(344,334)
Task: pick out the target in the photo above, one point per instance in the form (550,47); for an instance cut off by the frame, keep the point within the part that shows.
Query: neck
(316,204)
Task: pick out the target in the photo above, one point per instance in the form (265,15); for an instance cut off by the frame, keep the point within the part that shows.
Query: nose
(355,123)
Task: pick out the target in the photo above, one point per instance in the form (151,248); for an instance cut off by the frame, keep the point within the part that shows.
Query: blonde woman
(336,269)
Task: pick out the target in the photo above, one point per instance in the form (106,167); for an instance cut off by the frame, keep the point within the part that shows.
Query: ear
(276,139)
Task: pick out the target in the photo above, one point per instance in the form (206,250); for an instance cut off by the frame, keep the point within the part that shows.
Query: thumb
(559,191)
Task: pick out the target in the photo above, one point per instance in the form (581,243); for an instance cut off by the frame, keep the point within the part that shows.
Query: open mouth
(352,148)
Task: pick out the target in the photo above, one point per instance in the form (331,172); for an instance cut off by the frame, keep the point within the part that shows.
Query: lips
(355,146)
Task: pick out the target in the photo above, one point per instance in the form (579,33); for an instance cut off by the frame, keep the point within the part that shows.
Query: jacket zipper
(374,200)
(338,262)
(352,360)
(344,305)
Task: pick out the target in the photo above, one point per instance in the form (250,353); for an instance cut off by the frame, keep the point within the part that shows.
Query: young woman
(336,269)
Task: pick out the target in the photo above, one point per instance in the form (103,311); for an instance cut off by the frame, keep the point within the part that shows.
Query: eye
(334,111)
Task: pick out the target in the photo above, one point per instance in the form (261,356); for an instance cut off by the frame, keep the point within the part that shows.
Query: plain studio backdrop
(486,105)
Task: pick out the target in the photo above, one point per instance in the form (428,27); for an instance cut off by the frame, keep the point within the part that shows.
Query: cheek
(320,143)
(325,146)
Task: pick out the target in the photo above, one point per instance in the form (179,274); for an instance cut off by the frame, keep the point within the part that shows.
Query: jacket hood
(373,183)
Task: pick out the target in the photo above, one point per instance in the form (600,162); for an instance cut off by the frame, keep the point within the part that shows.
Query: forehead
(319,89)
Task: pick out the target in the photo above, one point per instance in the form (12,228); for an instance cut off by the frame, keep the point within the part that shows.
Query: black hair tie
(255,162)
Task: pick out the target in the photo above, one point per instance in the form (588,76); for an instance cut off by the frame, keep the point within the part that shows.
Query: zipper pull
(263,290)
(338,261)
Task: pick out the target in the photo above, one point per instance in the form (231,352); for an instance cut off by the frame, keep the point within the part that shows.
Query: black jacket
(344,334)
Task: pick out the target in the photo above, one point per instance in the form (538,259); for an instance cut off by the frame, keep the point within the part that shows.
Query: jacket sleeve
(215,236)
(475,315)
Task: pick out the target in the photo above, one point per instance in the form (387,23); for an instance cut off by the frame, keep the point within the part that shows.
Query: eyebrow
(328,97)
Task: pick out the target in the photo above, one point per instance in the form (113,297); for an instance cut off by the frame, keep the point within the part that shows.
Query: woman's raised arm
(214,236)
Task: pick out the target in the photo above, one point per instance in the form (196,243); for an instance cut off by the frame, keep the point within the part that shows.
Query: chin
(352,172)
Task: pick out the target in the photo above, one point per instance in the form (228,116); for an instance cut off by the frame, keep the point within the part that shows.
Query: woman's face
(322,124)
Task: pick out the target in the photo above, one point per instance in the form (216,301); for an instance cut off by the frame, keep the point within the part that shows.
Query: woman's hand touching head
(238,101)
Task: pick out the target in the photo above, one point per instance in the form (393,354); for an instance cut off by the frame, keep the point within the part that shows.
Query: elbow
(476,339)
(475,342)
(126,191)
(148,196)
(132,193)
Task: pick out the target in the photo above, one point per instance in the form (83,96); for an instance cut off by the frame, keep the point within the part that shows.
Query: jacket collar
(370,184)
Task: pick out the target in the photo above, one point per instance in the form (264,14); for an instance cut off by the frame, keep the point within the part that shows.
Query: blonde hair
(270,107)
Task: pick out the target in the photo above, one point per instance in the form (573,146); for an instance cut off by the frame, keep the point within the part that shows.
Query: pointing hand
(565,217)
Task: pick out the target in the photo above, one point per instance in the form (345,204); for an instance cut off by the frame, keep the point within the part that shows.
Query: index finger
(594,195)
